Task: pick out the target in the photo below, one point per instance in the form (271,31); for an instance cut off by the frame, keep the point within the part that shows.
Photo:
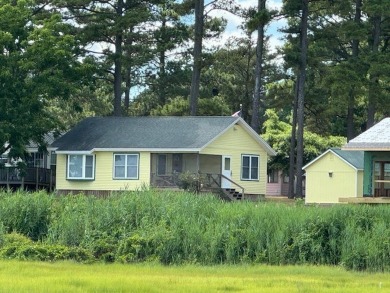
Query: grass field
(17,276)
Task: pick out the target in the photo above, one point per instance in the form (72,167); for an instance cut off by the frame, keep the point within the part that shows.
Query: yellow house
(104,154)
(333,175)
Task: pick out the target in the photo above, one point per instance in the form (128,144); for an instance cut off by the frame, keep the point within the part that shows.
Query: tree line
(63,60)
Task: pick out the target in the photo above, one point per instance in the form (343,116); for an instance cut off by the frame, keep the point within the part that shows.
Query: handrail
(231,181)
(31,175)
(211,176)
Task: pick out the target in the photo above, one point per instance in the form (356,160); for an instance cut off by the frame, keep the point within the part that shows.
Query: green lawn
(16,276)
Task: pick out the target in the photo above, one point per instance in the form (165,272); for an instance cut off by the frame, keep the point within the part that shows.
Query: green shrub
(133,249)
(102,246)
(16,239)
(45,252)
(2,236)
(190,181)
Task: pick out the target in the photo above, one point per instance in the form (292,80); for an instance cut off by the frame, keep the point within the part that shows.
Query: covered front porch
(376,182)
(203,172)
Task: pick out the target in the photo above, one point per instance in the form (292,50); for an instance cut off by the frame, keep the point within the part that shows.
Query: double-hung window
(126,166)
(81,167)
(250,167)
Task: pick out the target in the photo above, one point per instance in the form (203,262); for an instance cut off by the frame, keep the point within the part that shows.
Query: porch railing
(38,177)
(207,181)
(165,181)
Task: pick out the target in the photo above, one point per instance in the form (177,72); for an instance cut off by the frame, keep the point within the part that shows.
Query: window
(3,159)
(126,166)
(273,176)
(250,167)
(162,165)
(35,160)
(53,158)
(81,167)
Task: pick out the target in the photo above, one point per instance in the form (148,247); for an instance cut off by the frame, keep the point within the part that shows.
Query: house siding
(103,174)
(323,188)
(236,142)
(276,188)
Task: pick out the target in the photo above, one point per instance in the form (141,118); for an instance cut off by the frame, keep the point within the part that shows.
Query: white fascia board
(366,149)
(152,150)
(32,150)
(74,152)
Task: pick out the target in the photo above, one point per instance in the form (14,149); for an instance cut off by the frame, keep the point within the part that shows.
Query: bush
(44,252)
(133,249)
(2,237)
(190,181)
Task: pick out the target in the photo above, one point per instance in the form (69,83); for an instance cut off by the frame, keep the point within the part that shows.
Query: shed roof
(152,133)
(376,138)
(353,158)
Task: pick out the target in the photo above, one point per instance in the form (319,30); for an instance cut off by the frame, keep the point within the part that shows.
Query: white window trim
(250,167)
(83,168)
(125,177)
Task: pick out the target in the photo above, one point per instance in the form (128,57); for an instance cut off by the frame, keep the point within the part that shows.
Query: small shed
(334,174)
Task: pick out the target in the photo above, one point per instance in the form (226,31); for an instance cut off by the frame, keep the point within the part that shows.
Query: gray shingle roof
(48,139)
(375,138)
(143,132)
(355,158)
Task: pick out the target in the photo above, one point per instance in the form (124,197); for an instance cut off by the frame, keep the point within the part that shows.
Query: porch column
(197,163)
(368,175)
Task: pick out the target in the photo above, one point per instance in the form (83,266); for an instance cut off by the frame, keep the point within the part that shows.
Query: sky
(232,29)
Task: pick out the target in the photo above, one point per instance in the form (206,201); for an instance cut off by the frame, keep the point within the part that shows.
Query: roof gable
(353,158)
(175,133)
(375,138)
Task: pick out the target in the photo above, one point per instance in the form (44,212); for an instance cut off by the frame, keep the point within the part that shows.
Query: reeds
(177,228)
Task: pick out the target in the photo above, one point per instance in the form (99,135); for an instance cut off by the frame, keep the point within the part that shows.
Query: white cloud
(234,23)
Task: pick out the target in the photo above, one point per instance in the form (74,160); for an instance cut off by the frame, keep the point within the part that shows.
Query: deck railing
(206,181)
(38,177)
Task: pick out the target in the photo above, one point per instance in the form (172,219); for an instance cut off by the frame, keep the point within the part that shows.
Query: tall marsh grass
(177,228)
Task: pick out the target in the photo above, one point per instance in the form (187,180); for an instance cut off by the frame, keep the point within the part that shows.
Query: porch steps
(230,194)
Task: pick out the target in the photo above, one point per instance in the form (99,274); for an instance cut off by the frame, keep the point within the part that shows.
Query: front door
(226,172)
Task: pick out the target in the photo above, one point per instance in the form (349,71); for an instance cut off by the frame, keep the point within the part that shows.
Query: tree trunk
(128,86)
(195,81)
(161,79)
(301,96)
(355,55)
(291,172)
(372,90)
(257,96)
(118,66)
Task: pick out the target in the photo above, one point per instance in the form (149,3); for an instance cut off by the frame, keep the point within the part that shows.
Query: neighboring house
(277,184)
(104,154)
(40,168)
(375,143)
(333,175)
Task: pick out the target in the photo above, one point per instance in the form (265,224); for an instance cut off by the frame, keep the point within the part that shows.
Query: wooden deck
(31,178)
(365,200)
